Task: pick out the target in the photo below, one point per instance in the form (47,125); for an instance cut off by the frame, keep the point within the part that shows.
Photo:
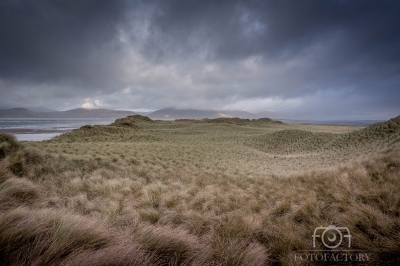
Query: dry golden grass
(197,193)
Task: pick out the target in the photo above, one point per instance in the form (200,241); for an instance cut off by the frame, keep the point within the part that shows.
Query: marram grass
(224,192)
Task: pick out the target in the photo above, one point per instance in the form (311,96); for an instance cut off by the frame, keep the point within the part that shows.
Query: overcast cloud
(315,59)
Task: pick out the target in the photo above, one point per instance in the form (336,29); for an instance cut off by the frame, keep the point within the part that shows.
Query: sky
(302,59)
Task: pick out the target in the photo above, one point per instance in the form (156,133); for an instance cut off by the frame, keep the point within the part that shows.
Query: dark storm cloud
(357,38)
(278,29)
(57,41)
(255,55)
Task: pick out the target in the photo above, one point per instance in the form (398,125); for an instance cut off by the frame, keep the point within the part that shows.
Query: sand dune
(195,192)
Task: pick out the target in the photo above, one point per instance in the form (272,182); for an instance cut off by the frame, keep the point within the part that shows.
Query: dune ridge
(185,193)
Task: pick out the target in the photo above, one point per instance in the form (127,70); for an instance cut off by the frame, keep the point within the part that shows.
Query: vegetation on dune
(195,193)
(291,141)
(8,144)
(131,121)
(232,120)
(388,131)
(376,137)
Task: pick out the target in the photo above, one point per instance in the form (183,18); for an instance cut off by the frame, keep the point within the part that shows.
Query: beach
(37,129)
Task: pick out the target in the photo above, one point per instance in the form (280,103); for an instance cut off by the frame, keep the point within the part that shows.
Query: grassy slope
(189,192)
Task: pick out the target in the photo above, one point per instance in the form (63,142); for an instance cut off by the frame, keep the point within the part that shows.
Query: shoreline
(33,131)
(29,134)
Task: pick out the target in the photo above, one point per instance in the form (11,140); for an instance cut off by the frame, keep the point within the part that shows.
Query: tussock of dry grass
(57,237)
(196,193)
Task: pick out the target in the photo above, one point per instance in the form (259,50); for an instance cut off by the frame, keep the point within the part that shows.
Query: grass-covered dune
(198,192)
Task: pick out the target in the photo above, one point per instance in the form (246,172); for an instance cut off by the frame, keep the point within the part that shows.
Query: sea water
(36,129)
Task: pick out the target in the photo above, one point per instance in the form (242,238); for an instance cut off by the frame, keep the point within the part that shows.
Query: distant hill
(41,109)
(173,113)
(167,113)
(18,113)
(92,113)
(74,113)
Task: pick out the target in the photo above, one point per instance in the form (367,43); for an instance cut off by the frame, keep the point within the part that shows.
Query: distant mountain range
(172,113)
(41,109)
(74,113)
(165,114)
